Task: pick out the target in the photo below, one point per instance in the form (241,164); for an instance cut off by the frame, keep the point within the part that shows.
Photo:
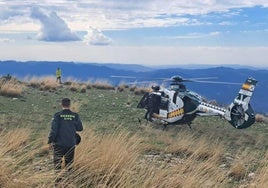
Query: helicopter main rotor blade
(130,77)
(133,77)
(177,78)
(142,82)
(203,78)
(215,82)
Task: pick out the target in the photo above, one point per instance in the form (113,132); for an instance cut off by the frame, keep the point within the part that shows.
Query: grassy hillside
(116,149)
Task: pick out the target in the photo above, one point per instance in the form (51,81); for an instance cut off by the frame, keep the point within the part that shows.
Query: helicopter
(178,105)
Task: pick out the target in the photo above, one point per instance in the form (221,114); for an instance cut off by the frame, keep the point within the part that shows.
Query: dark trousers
(61,152)
(59,79)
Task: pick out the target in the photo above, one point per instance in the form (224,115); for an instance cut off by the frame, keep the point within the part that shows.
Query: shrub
(74,87)
(67,83)
(48,83)
(238,171)
(132,88)
(260,118)
(89,86)
(140,91)
(45,83)
(103,85)
(120,88)
(83,89)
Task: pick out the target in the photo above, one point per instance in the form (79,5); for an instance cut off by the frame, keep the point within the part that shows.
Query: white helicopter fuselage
(180,106)
(175,107)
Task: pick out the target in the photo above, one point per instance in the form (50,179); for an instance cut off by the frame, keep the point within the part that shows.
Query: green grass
(118,151)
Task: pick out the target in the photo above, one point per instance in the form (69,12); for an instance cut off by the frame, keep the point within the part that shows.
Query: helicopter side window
(175,97)
(174,87)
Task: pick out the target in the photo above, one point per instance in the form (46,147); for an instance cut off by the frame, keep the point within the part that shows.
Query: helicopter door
(163,103)
(163,106)
(175,102)
(175,97)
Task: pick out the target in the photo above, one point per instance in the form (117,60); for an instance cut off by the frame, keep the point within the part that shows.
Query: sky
(147,32)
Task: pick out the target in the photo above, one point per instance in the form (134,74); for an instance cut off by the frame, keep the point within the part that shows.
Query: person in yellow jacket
(58,75)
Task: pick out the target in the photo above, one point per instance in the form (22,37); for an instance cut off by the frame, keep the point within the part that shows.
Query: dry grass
(118,160)
(103,84)
(140,90)
(16,160)
(74,87)
(11,88)
(75,106)
(261,179)
(125,160)
(122,87)
(77,87)
(46,83)
(238,171)
(105,161)
(14,139)
(83,88)
(187,161)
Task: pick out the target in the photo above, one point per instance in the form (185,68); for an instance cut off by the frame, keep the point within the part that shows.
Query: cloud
(215,33)
(6,40)
(53,28)
(96,37)
(6,13)
(226,23)
(121,14)
(196,35)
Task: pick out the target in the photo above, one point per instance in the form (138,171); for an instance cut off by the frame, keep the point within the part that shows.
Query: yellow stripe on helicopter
(248,87)
(175,113)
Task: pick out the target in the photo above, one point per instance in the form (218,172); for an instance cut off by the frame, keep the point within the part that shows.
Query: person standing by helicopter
(154,100)
(58,75)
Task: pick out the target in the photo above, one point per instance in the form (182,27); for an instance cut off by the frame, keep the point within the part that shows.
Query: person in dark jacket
(62,135)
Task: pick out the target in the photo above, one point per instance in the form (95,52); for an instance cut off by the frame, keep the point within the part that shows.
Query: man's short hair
(66,102)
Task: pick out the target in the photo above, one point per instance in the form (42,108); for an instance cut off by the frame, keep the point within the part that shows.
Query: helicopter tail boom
(239,113)
(207,109)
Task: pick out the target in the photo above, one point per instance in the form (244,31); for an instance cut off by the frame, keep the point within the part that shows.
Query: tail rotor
(240,113)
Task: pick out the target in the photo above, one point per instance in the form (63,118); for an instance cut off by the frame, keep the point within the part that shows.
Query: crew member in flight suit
(154,99)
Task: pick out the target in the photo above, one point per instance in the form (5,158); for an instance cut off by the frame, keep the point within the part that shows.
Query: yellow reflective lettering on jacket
(67,117)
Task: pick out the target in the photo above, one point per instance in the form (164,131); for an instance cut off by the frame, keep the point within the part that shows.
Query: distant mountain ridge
(129,67)
(87,71)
